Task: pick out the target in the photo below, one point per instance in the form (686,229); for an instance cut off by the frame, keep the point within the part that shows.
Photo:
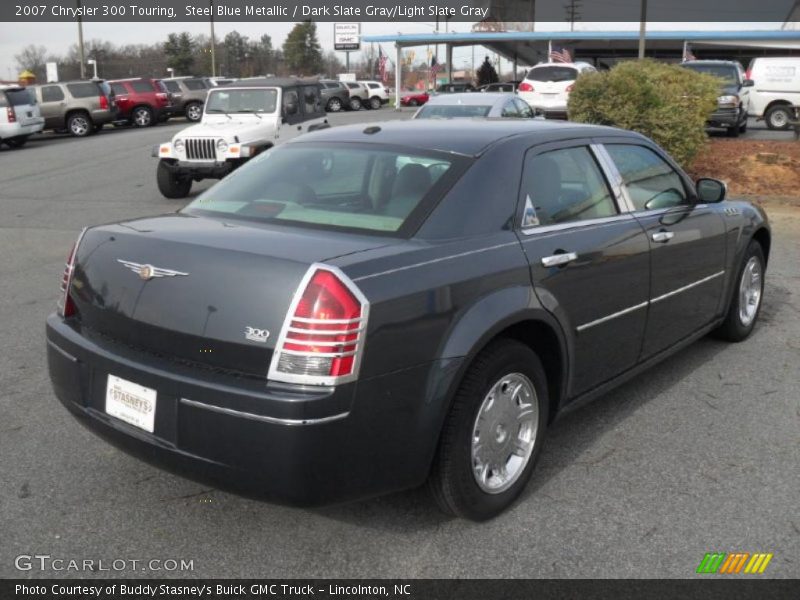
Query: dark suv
(79,107)
(335,95)
(734,99)
(188,96)
(142,102)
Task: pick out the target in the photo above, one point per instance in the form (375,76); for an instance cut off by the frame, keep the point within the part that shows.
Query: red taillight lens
(748,74)
(12,114)
(66,308)
(570,88)
(525,87)
(103,102)
(323,336)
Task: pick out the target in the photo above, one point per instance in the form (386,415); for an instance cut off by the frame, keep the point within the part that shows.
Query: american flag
(560,54)
(435,66)
(382,65)
(687,53)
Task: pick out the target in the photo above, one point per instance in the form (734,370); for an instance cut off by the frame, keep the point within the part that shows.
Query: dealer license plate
(131,402)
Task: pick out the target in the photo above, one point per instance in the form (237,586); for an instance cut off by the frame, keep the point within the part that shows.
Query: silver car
(488,104)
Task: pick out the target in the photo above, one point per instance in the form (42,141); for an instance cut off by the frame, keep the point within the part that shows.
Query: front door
(687,243)
(589,260)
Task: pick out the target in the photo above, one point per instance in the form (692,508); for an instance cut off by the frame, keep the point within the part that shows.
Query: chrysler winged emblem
(147,272)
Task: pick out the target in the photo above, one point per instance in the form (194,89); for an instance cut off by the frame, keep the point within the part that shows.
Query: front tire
(375,103)
(170,184)
(493,433)
(747,295)
(778,117)
(194,111)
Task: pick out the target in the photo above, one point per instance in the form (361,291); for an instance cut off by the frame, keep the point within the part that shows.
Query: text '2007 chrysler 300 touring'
(362,310)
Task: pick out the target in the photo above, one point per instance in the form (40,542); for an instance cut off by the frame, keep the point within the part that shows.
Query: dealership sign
(347,36)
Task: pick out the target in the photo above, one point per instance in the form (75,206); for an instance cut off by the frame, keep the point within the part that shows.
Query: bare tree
(33,58)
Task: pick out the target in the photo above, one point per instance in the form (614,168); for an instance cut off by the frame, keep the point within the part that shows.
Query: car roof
(727,63)
(280,82)
(469,98)
(470,137)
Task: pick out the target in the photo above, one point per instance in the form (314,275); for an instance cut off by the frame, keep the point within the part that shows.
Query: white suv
(546,87)
(19,115)
(378,95)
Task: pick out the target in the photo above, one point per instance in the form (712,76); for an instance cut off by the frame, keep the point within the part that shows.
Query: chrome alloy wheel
(194,112)
(750,291)
(141,117)
(504,433)
(79,126)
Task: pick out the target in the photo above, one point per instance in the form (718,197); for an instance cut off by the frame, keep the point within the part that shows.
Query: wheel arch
(764,238)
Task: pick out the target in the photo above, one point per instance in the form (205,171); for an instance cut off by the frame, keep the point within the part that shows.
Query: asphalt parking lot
(699,454)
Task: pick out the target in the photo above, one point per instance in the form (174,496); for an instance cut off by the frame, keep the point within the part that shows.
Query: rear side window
(552,73)
(652,183)
(373,86)
(311,99)
(563,186)
(453,111)
(19,97)
(142,87)
(511,110)
(84,90)
(339,186)
(52,93)
(119,89)
(194,84)
(172,86)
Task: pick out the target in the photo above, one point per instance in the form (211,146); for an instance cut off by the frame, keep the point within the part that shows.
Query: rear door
(589,260)
(122,96)
(687,242)
(52,104)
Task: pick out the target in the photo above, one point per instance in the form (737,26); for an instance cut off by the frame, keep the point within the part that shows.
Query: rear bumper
(286,444)
(12,130)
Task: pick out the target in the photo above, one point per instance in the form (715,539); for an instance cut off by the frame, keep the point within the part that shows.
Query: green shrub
(667,103)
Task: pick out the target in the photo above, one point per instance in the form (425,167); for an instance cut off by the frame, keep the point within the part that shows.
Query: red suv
(142,102)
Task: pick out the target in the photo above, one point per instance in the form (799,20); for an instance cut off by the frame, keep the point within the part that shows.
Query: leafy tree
(302,51)
(180,50)
(667,103)
(237,54)
(264,55)
(487,73)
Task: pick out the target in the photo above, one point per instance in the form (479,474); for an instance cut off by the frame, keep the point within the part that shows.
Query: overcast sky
(58,37)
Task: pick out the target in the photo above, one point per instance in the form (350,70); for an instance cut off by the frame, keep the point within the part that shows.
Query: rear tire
(498,417)
(142,116)
(79,124)
(170,184)
(194,111)
(746,297)
(16,142)
(355,103)
(375,103)
(778,117)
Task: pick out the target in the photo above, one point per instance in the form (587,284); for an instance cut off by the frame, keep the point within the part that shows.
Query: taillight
(570,88)
(103,102)
(525,87)
(66,308)
(323,335)
(12,114)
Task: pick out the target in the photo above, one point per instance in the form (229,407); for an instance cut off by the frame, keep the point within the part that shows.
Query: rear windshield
(20,97)
(727,73)
(553,73)
(83,90)
(453,111)
(242,101)
(361,187)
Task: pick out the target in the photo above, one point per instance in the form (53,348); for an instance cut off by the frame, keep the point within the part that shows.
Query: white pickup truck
(239,121)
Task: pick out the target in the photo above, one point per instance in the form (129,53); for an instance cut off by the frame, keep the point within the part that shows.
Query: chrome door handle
(558,260)
(662,237)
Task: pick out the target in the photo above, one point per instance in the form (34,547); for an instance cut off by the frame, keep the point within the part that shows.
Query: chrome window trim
(687,287)
(624,203)
(263,418)
(577,224)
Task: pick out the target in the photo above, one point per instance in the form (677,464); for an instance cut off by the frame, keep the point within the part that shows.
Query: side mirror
(748,83)
(711,190)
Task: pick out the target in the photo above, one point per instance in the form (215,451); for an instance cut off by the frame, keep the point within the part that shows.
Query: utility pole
(642,28)
(81,51)
(213,43)
(573,10)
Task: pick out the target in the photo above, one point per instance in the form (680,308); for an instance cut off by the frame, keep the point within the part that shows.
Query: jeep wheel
(170,184)
(80,124)
(375,103)
(194,111)
(334,105)
(493,433)
(778,117)
(142,116)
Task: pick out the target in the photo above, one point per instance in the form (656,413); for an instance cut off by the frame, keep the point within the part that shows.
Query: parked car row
(353,95)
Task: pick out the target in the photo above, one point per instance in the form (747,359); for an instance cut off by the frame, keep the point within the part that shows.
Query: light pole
(93,62)
(171,71)
(642,28)
(80,40)
(213,43)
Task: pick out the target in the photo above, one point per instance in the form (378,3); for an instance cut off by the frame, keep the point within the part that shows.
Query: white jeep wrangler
(239,122)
